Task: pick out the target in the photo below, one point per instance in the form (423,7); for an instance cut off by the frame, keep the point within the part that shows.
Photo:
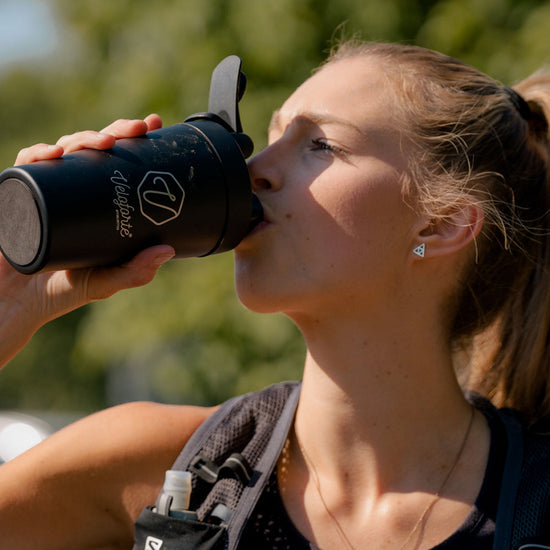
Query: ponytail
(512,356)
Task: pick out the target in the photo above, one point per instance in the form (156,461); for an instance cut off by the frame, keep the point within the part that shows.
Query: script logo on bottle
(160,197)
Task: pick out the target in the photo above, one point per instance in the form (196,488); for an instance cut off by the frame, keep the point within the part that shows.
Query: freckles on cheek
(348,213)
(357,199)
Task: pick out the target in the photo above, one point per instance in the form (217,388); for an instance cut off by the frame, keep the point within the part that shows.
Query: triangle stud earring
(420,250)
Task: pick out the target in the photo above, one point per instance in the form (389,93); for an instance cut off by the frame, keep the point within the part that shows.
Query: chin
(258,295)
(262,287)
(256,299)
(248,284)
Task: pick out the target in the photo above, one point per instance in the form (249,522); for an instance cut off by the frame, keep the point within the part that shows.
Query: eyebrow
(313,118)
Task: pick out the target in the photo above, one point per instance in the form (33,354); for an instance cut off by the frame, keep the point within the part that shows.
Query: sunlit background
(30,32)
(75,64)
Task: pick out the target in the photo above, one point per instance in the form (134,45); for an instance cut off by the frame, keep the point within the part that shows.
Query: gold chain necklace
(336,524)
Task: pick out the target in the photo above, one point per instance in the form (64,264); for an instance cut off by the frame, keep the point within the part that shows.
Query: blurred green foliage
(185,337)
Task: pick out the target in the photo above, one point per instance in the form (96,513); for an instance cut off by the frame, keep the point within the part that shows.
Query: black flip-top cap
(221,125)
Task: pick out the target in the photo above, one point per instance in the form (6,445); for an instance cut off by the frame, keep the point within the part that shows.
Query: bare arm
(84,487)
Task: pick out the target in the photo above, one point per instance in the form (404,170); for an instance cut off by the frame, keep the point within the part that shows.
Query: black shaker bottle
(186,185)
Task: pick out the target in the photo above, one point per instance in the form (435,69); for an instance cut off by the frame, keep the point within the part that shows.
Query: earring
(420,250)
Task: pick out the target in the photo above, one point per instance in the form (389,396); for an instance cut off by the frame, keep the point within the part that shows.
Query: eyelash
(322,145)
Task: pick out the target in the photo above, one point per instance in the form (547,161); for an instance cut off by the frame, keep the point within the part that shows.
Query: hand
(29,301)
(104,139)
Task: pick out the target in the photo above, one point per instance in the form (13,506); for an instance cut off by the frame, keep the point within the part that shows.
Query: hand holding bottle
(29,301)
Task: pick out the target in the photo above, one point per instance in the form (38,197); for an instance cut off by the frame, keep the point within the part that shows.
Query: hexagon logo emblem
(160,197)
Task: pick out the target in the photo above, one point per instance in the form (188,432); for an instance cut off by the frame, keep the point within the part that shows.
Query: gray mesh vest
(233,453)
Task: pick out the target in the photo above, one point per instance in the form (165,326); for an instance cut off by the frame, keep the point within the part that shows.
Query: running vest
(233,453)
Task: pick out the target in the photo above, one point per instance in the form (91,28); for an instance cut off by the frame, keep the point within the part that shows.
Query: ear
(451,232)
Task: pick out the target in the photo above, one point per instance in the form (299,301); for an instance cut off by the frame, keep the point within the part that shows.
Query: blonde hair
(476,139)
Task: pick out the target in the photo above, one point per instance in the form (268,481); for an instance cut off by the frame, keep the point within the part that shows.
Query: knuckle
(116,124)
(78,140)
(63,139)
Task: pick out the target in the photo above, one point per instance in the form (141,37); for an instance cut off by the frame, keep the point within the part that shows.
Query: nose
(265,170)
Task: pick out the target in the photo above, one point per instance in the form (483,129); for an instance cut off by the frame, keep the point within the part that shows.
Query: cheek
(334,234)
(364,211)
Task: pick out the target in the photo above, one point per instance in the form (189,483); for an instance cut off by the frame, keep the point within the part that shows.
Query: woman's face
(336,226)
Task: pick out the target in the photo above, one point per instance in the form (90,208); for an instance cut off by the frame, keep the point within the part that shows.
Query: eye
(322,145)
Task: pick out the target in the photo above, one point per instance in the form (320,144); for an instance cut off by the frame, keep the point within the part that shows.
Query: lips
(260,220)
(261,225)
(258,215)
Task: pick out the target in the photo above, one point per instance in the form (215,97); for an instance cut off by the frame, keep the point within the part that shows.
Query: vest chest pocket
(158,532)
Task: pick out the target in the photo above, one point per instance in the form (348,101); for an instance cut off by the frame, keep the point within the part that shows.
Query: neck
(385,392)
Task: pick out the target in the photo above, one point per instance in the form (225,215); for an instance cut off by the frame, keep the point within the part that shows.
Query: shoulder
(128,432)
(141,426)
(128,448)
(102,469)
(527,447)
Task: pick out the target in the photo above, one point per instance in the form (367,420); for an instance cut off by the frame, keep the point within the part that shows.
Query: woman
(405,222)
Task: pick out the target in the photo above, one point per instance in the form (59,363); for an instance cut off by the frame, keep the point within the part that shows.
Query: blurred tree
(185,338)
(189,337)
(505,38)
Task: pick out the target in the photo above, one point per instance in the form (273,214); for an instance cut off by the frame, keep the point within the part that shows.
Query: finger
(139,271)
(89,139)
(153,121)
(124,128)
(40,151)
(85,140)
